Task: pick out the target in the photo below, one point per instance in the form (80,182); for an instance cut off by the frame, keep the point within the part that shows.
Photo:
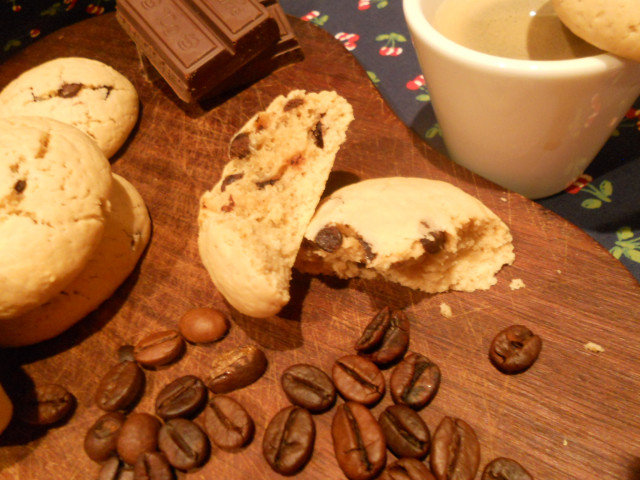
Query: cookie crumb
(504,199)
(445,310)
(516,284)
(565,442)
(593,347)
(559,272)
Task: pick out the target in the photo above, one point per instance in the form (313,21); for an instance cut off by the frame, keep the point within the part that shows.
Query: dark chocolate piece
(197,44)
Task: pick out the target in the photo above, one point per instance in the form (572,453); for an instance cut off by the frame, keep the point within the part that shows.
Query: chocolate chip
(317,135)
(264,183)
(229,206)
(369,255)
(293,103)
(68,90)
(329,239)
(434,243)
(239,147)
(20,185)
(295,159)
(229,179)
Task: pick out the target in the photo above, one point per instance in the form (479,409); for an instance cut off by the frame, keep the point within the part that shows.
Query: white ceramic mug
(530,126)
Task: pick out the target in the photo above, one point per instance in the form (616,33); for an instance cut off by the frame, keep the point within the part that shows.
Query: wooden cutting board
(574,415)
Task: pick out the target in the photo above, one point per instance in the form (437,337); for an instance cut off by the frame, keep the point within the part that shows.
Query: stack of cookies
(71,231)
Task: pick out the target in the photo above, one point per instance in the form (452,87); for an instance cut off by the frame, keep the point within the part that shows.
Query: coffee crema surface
(520,29)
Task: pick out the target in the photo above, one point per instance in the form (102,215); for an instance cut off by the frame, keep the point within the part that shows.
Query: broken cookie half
(425,234)
(252,222)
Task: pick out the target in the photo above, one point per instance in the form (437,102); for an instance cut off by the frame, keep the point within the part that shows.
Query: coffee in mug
(521,29)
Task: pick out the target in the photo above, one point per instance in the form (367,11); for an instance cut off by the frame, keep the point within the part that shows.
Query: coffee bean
(329,238)
(515,349)
(120,387)
(203,325)
(288,440)
(455,451)
(227,422)
(68,90)
(505,469)
(184,443)
(236,369)
(405,432)
(115,469)
(100,440)
(125,353)
(407,469)
(181,398)
(358,379)
(138,434)
(152,466)
(239,147)
(414,381)
(358,442)
(159,348)
(308,387)
(45,405)
(386,338)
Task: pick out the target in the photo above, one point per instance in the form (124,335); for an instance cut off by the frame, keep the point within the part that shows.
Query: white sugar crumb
(564,442)
(593,347)
(559,271)
(516,284)
(445,310)
(504,199)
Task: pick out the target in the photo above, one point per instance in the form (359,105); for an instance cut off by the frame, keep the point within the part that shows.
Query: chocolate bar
(198,44)
(283,53)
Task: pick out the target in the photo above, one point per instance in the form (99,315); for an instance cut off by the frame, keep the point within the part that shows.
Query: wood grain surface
(574,415)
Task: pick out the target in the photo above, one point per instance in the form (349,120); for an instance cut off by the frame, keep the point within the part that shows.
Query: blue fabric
(605,202)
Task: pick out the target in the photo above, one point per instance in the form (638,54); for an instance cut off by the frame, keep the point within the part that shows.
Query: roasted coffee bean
(414,381)
(184,443)
(181,398)
(358,441)
(405,432)
(316,133)
(68,90)
(455,451)
(138,434)
(288,440)
(236,369)
(152,466)
(386,338)
(120,387)
(46,404)
(100,440)
(227,422)
(515,349)
(407,469)
(159,348)
(125,353)
(358,379)
(115,469)
(203,325)
(239,146)
(308,387)
(329,238)
(505,469)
